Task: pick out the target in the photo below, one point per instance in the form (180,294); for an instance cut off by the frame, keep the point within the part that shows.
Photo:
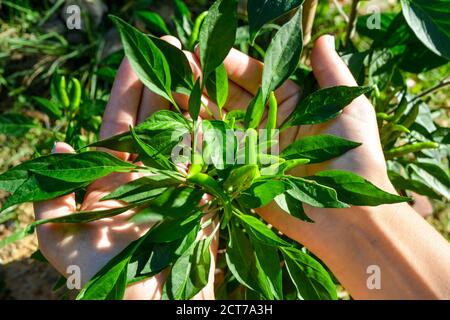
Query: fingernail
(54,147)
(330,40)
(196,47)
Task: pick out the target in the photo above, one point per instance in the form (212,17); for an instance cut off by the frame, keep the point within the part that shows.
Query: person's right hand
(393,237)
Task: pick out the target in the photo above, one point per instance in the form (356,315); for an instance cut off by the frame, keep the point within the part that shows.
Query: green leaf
(240,178)
(217,86)
(310,278)
(259,230)
(152,258)
(430,23)
(173,228)
(15,125)
(401,183)
(219,144)
(40,188)
(314,194)
(83,167)
(16,236)
(52,109)
(146,60)
(318,148)
(189,273)
(365,24)
(259,13)
(195,100)
(269,266)
(149,155)
(355,62)
(355,190)
(182,21)
(431,175)
(292,206)
(174,202)
(282,55)
(153,21)
(162,130)
(182,79)
(240,257)
(255,111)
(262,193)
(159,180)
(110,281)
(217,34)
(323,105)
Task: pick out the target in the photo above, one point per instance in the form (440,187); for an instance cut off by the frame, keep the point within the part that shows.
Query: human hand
(350,240)
(90,246)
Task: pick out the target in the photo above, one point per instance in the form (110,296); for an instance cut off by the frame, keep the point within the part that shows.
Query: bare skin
(412,256)
(90,246)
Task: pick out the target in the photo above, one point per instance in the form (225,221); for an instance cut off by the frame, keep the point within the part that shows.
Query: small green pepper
(400,110)
(273,110)
(241,178)
(75,95)
(196,166)
(411,116)
(62,92)
(251,146)
(410,148)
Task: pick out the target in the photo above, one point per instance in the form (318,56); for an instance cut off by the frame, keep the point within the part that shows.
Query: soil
(22,277)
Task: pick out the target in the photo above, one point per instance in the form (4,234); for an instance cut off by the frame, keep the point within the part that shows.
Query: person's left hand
(90,246)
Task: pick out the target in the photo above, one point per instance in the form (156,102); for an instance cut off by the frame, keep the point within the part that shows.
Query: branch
(340,10)
(309,11)
(440,85)
(351,23)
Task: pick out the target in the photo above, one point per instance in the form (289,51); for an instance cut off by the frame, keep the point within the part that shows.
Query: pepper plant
(230,159)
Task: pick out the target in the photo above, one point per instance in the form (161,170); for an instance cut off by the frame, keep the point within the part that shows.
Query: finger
(238,98)
(172,40)
(60,206)
(246,72)
(183,100)
(121,110)
(329,69)
(207,293)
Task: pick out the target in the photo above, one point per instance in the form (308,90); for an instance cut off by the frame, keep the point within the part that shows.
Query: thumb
(329,69)
(61,206)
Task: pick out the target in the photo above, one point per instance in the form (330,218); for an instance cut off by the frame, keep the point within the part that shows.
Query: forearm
(412,257)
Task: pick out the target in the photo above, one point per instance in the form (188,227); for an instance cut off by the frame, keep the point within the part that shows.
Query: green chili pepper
(213,188)
(196,166)
(283,166)
(241,178)
(196,29)
(75,96)
(392,131)
(266,159)
(62,92)
(384,116)
(376,91)
(273,110)
(411,148)
(208,183)
(251,146)
(411,117)
(401,108)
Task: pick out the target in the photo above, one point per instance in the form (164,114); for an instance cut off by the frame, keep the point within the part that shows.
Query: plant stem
(351,23)
(340,10)
(410,148)
(440,85)
(309,12)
